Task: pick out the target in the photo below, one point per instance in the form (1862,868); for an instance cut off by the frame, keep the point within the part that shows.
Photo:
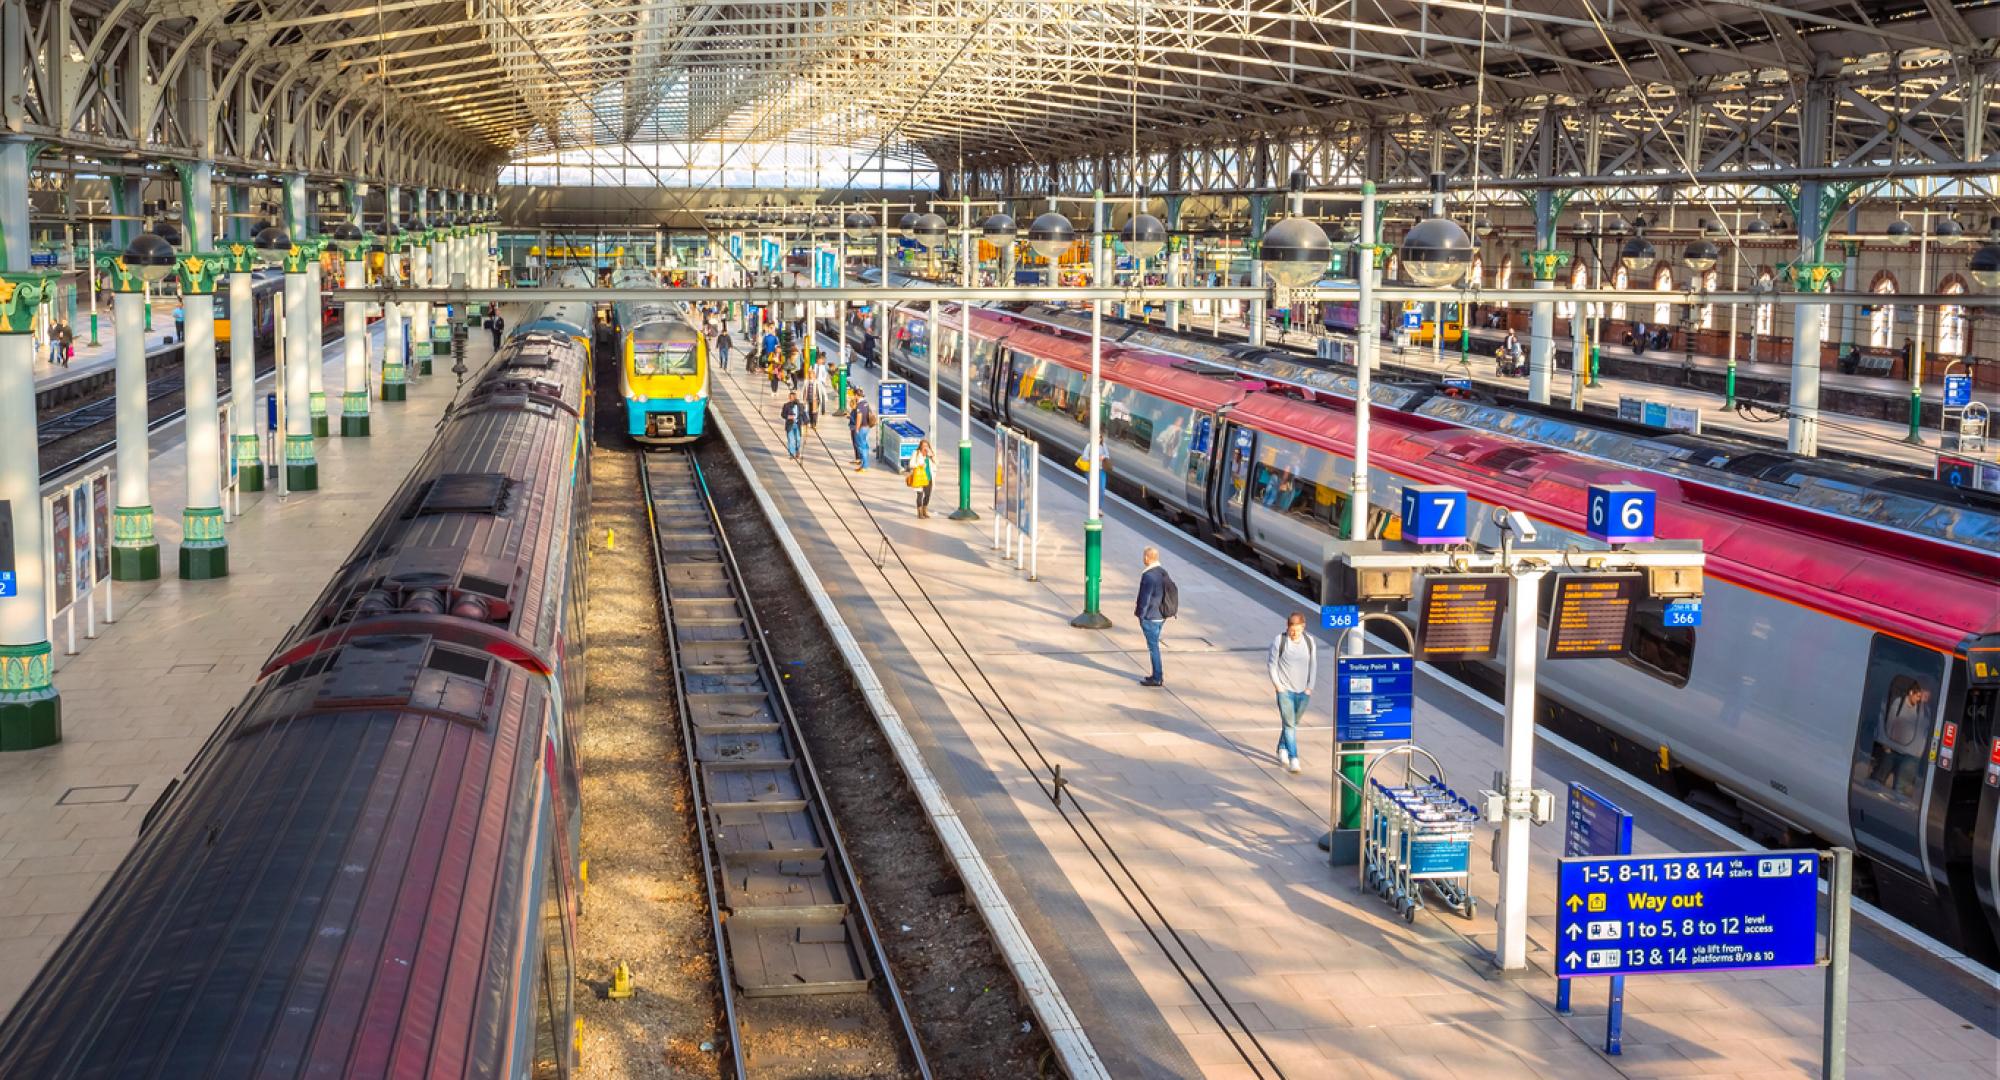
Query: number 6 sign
(1620,513)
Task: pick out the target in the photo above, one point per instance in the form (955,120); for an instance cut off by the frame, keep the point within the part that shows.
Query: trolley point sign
(1652,915)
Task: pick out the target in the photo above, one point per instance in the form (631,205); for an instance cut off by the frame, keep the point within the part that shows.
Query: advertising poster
(63,543)
(100,501)
(80,516)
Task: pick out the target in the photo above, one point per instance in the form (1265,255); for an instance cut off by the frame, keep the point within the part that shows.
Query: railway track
(799,952)
(105,409)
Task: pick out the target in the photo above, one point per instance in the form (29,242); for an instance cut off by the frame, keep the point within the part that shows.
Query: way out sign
(1652,915)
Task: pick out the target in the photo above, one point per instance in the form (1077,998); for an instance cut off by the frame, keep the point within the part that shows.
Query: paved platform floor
(139,701)
(1216,863)
(1862,436)
(90,358)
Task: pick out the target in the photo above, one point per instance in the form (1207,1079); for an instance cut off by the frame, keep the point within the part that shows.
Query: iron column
(135,555)
(30,708)
(204,549)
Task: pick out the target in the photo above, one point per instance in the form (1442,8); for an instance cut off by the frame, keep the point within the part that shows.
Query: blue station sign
(1658,914)
(1375,697)
(1339,616)
(1595,825)
(892,398)
(1957,391)
(7,584)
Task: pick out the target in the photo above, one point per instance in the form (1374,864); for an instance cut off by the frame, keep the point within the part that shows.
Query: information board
(1595,825)
(1592,616)
(1461,616)
(9,585)
(1657,914)
(1375,694)
(892,398)
(1957,391)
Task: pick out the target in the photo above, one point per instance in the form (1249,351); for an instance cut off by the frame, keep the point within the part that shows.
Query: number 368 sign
(1620,513)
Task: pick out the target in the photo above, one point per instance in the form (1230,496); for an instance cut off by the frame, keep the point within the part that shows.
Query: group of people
(62,343)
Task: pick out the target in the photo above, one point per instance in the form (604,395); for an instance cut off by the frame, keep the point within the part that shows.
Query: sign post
(1596,826)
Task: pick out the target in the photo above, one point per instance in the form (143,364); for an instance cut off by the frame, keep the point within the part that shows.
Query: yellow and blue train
(663,367)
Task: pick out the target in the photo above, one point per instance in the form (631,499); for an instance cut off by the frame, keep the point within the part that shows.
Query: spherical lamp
(1700,255)
(1899,227)
(1051,235)
(1295,252)
(150,256)
(271,243)
(859,226)
(1985,264)
(1638,253)
(929,230)
(998,229)
(1143,236)
(1756,226)
(907,225)
(1436,252)
(168,231)
(1949,231)
(348,237)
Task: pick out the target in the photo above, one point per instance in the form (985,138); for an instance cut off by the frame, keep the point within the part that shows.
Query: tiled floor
(1218,845)
(140,699)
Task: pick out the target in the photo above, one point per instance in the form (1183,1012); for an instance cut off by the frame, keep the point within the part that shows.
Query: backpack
(1170,597)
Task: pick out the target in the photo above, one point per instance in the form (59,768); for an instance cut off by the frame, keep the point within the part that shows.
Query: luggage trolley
(1417,833)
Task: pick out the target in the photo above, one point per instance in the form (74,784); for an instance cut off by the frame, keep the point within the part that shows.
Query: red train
(370,869)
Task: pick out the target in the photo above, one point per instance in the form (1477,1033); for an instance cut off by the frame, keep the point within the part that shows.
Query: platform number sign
(8,585)
(1957,391)
(1434,514)
(1620,513)
(1339,616)
(1682,613)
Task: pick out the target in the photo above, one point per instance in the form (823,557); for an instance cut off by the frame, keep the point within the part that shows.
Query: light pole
(930,231)
(967,261)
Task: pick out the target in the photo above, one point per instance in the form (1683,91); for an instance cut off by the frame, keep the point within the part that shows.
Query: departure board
(1461,616)
(1593,615)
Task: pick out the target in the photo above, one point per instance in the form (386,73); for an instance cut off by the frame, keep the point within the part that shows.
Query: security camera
(1515,522)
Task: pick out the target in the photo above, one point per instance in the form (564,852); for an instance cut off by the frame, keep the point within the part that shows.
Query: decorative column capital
(20,294)
(122,278)
(199,270)
(1812,277)
(238,257)
(301,255)
(1545,263)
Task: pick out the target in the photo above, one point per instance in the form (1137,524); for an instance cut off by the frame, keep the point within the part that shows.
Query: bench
(1866,360)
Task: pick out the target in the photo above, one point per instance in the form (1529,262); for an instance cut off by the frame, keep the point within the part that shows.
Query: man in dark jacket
(1151,612)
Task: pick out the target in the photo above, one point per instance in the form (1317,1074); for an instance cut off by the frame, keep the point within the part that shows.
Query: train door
(1227,501)
(1888,783)
(1972,826)
(999,388)
(1200,459)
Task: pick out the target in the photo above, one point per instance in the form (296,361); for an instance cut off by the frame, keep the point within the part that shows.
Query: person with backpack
(1159,600)
(722,344)
(1294,666)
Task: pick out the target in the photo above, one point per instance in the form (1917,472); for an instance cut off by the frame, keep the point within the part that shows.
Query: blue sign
(8,586)
(1596,825)
(735,247)
(1656,914)
(1433,514)
(1375,695)
(1957,391)
(1620,513)
(271,412)
(1339,616)
(1413,320)
(1457,382)
(1204,433)
(773,255)
(1682,613)
(892,398)
(41,258)
(826,269)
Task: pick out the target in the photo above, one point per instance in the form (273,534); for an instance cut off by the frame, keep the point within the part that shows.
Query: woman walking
(922,473)
(1294,665)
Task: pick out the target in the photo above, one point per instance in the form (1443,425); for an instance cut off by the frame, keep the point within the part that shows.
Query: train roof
(1910,586)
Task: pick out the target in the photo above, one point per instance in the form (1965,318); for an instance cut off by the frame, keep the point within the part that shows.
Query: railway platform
(140,699)
(92,360)
(1176,889)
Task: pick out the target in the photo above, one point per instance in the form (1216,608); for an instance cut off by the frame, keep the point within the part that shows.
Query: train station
(1428,539)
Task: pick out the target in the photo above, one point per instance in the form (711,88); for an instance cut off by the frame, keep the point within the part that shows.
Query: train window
(552,992)
(1128,417)
(1664,652)
(1300,482)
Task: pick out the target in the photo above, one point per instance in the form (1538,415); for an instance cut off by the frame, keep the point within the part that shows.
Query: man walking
(1294,665)
(722,344)
(860,424)
(794,415)
(1159,600)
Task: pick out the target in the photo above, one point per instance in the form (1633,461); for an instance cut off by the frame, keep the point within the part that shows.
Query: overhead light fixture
(1143,236)
(1436,252)
(1295,252)
(150,256)
(1051,235)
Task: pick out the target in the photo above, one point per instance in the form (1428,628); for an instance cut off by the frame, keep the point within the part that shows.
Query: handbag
(919,477)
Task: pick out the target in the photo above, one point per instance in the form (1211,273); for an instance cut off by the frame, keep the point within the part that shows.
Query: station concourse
(421,652)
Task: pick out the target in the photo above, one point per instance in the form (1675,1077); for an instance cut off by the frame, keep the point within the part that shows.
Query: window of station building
(1503,278)
(1951,319)
(1620,281)
(1476,277)
(1663,280)
(1709,278)
(1882,316)
(1762,320)
(1579,278)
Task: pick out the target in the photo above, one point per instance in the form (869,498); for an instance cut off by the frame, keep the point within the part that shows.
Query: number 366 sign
(1620,513)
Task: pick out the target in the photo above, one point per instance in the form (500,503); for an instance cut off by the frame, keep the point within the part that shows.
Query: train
(663,366)
(267,291)
(1841,688)
(370,868)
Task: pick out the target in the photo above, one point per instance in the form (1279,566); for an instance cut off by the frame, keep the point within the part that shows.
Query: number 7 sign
(1620,513)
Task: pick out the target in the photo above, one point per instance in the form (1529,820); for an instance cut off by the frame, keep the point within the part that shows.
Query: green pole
(965,512)
(1916,436)
(1093,575)
(93,329)
(840,389)
(1729,386)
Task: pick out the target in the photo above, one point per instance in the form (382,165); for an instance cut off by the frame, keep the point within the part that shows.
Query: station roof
(1038,79)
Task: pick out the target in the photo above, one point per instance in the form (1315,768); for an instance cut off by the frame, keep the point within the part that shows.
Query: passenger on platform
(774,366)
(1159,600)
(722,347)
(813,401)
(794,415)
(922,476)
(794,368)
(497,326)
(770,344)
(1294,666)
(180,323)
(861,425)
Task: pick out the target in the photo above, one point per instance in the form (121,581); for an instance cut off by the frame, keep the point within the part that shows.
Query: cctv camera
(1515,522)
